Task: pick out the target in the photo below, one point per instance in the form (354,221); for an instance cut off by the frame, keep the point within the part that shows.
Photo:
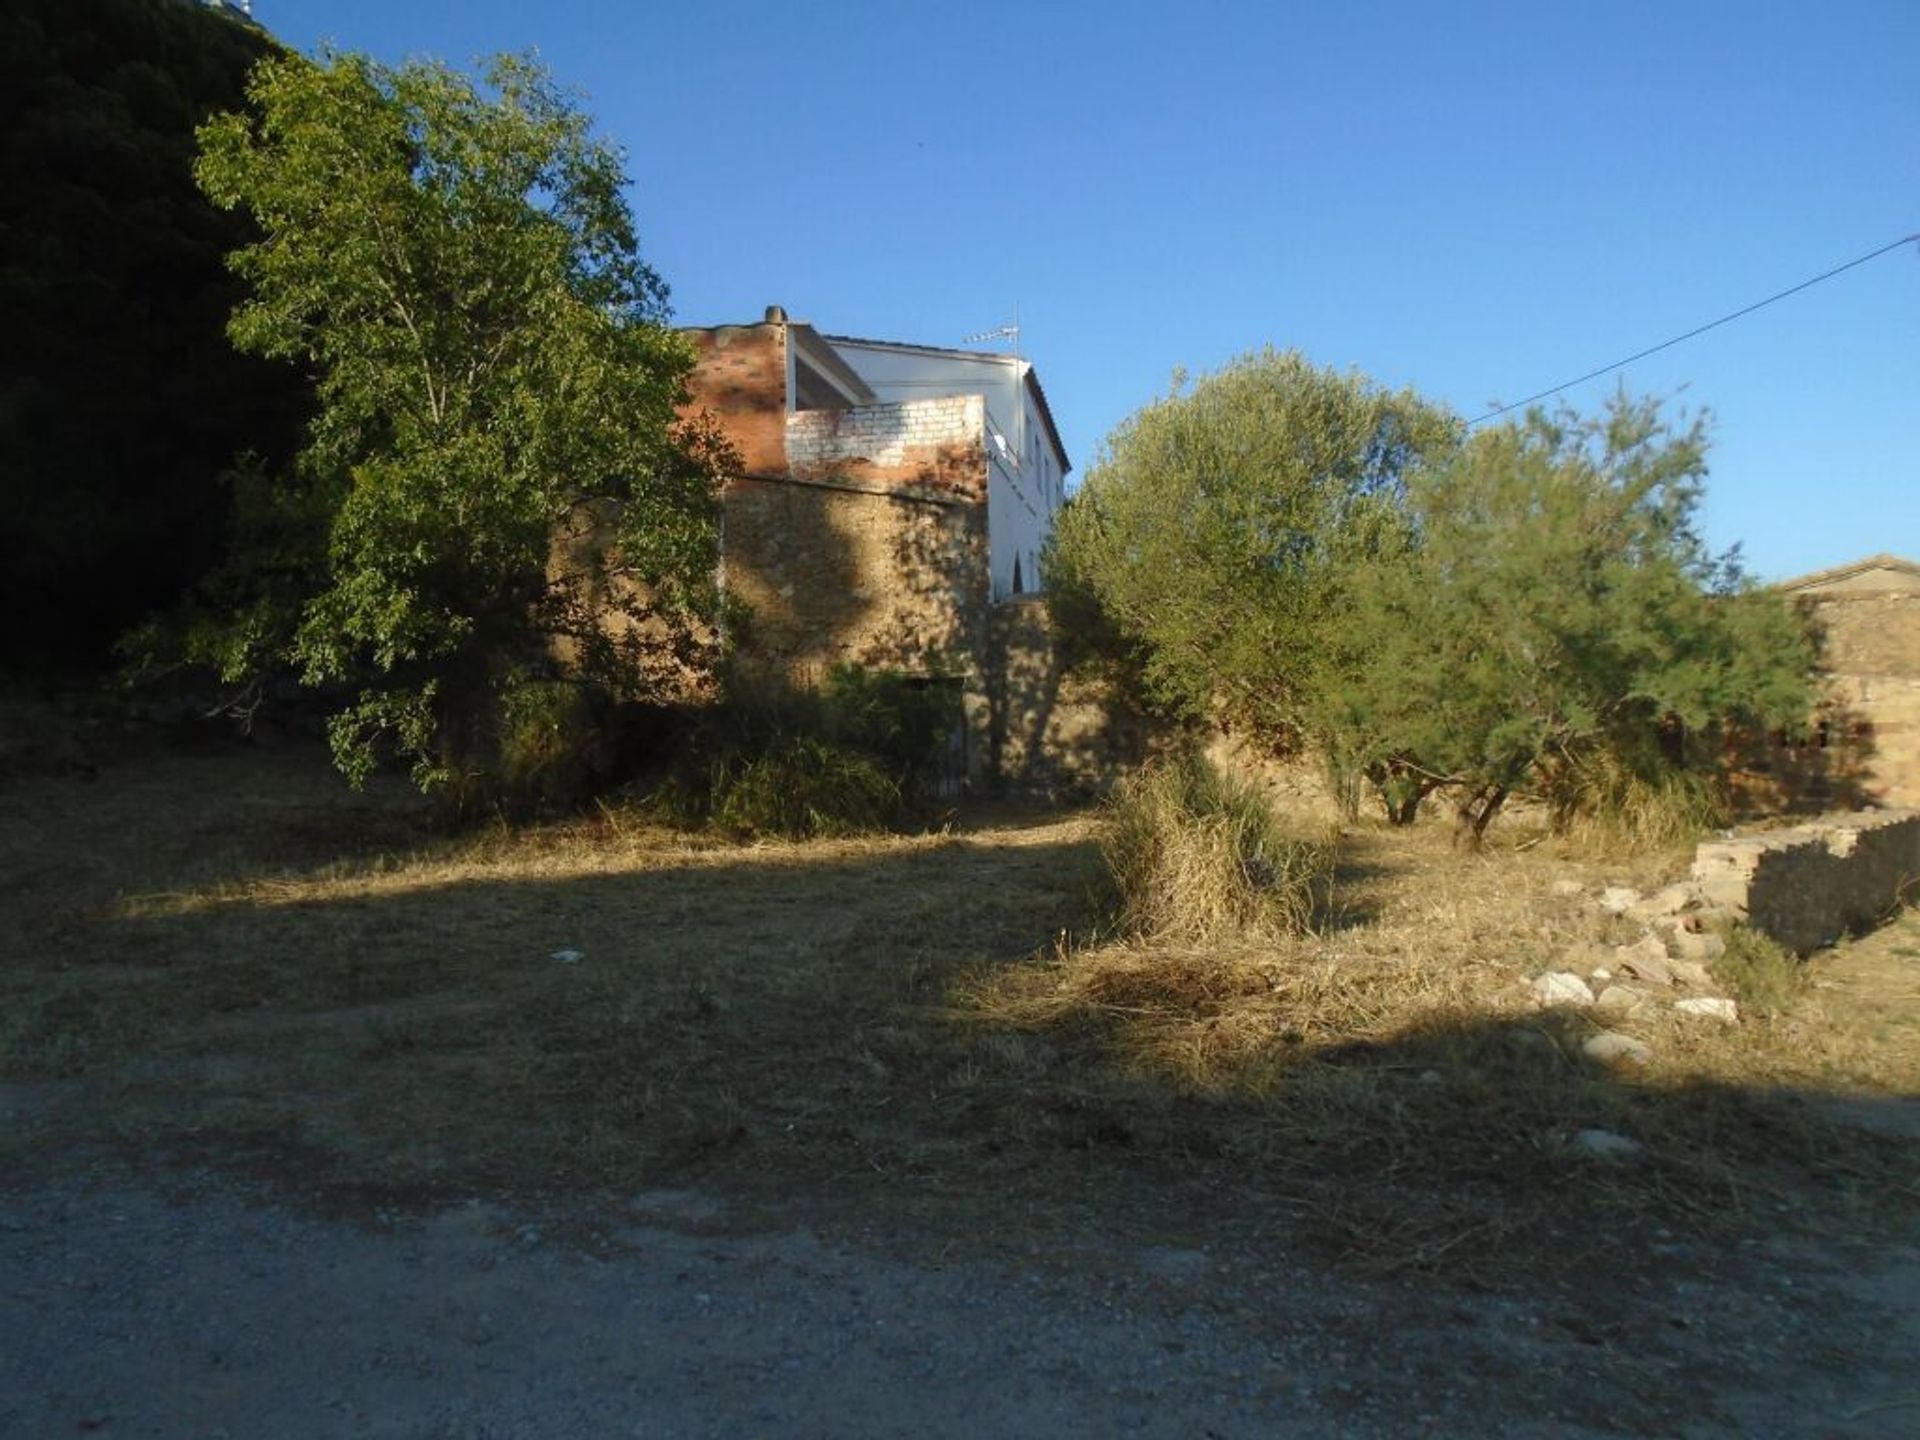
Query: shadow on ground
(596,1012)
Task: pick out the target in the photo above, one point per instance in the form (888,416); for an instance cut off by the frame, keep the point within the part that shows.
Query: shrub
(1194,854)
(549,742)
(1762,974)
(1612,806)
(802,787)
(855,754)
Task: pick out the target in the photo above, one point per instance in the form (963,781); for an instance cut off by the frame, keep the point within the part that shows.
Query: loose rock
(1606,1145)
(1646,960)
(1567,889)
(1710,1007)
(1665,903)
(1618,899)
(1702,946)
(1692,974)
(1610,1046)
(1619,1000)
(1562,987)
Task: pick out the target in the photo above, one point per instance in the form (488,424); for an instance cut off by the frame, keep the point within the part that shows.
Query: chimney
(776,315)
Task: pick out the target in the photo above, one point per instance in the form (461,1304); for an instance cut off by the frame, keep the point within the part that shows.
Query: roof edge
(1882,561)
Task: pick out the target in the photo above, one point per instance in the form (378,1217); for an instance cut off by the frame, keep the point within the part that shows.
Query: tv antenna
(1009,332)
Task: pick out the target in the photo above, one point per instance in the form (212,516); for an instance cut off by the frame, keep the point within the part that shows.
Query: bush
(856,754)
(550,742)
(1196,855)
(802,787)
(1612,806)
(1763,975)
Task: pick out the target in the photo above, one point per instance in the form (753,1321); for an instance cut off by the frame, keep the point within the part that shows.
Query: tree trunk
(1400,792)
(1476,812)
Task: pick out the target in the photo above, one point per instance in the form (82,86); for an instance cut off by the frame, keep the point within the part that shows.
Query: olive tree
(1214,538)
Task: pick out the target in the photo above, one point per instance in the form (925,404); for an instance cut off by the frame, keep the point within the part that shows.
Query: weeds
(1604,806)
(1762,975)
(1196,855)
(852,756)
(801,787)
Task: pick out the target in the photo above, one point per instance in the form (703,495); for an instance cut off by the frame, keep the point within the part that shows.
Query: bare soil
(313,1127)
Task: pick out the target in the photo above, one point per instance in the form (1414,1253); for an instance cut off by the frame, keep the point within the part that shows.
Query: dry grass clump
(1197,855)
(1389,1080)
(1604,807)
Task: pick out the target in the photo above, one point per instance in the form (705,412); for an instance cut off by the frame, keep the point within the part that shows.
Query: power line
(1701,330)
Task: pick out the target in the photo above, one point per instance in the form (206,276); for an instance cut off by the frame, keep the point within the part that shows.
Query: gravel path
(208,1312)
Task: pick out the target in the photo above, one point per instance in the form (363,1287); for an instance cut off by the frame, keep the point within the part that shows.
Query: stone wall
(1863,745)
(1809,885)
(1050,731)
(832,575)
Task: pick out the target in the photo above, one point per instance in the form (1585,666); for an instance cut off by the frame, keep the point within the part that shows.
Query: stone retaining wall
(1809,885)
(1053,731)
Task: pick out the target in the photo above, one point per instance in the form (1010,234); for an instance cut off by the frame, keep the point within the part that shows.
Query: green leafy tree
(1557,612)
(455,263)
(1212,541)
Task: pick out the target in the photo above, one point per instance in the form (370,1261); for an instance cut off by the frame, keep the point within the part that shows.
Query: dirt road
(195,1308)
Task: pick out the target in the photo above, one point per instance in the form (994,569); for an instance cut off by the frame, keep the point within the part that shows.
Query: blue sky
(1479,200)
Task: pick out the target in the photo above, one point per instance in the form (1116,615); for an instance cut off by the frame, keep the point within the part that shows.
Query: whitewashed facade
(1028,465)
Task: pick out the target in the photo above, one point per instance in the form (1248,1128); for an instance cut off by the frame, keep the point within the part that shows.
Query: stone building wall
(1052,731)
(830,575)
(1863,745)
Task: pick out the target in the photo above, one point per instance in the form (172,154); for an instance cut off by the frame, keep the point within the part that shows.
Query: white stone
(1606,1145)
(1617,899)
(1567,889)
(1562,987)
(1710,1007)
(1610,1046)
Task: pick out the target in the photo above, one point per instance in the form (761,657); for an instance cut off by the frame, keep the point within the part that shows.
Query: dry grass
(1197,855)
(232,954)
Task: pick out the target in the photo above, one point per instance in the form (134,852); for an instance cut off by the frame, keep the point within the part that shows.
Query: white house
(1028,467)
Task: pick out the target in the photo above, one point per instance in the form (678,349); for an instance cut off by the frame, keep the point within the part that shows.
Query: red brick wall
(740,378)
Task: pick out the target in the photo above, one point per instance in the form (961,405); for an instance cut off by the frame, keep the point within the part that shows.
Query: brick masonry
(930,449)
(740,379)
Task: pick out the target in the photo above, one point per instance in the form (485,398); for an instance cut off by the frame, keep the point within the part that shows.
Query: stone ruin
(1811,884)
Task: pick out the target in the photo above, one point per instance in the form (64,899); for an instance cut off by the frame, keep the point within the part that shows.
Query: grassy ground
(229,955)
